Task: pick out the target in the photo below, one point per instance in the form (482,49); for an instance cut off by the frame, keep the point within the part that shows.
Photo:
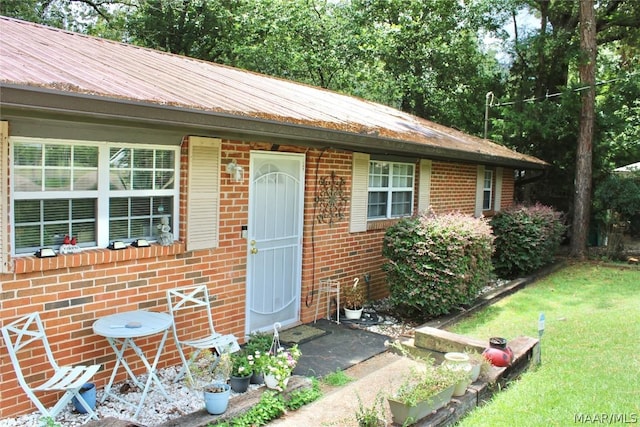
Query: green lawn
(590,371)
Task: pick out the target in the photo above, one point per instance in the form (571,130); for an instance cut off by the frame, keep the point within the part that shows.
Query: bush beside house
(526,238)
(436,262)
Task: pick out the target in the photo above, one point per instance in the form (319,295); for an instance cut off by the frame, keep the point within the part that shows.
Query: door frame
(301,158)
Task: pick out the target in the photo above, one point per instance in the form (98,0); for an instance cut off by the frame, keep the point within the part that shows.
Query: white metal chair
(196,299)
(27,334)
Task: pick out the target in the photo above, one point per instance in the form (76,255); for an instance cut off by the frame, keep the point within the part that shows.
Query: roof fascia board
(37,100)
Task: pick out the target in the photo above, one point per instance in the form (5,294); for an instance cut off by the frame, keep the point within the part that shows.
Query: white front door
(274,239)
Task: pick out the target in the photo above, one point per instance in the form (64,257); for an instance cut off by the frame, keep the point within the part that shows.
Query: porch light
(236,172)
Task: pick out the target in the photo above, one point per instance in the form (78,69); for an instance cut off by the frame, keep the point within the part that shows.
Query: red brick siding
(508,189)
(71,291)
(453,187)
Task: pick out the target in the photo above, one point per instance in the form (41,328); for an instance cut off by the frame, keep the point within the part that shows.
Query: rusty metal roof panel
(34,55)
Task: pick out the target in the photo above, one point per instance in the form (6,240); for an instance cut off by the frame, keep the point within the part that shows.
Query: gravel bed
(156,409)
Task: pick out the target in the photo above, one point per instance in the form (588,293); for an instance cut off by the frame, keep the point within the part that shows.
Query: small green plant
(353,296)
(257,349)
(423,385)
(272,405)
(281,364)
(301,397)
(337,378)
(370,416)
(49,422)
(208,368)
(242,364)
(258,341)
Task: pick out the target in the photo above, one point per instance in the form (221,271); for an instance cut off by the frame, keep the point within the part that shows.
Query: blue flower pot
(216,403)
(88,393)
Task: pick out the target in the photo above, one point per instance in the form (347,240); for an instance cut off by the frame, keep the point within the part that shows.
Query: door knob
(254,251)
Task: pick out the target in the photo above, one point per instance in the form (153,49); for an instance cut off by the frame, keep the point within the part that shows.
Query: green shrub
(272,405)
(527,238)
(436,263)
(617,199)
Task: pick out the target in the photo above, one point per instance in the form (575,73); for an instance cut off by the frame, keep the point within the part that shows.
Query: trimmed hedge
(527,238)
(436,263)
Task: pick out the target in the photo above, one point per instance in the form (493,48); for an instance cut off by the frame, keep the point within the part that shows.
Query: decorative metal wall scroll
(330,200)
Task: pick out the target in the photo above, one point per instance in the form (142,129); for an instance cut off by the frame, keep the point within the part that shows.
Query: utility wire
(553,95)
(490,98)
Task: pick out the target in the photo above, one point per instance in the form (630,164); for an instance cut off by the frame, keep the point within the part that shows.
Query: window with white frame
(487,190)
(390,189)
(96,192)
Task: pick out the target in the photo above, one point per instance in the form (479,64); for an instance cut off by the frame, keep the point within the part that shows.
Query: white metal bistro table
(121,330)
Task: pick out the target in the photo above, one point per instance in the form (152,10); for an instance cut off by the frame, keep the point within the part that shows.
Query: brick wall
(508,188)
(453,187)
(71,291)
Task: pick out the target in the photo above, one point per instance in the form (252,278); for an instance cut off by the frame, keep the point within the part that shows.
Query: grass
(590,350)
(337,378)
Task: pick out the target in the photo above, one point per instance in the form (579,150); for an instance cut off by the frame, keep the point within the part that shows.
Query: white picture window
(487,190)
(390,189)
(96,192)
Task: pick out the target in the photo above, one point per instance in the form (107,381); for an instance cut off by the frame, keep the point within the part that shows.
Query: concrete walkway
(375,379)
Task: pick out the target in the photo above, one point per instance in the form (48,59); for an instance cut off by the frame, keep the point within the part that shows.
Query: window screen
(390,189)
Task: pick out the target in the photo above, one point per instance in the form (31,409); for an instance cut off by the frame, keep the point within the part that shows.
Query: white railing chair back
(27,334)
(196,299)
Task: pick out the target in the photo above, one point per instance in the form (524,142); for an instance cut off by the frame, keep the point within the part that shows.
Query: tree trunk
(582,196)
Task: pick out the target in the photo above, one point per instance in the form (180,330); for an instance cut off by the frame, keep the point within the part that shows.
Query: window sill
(381,224)
(88,257)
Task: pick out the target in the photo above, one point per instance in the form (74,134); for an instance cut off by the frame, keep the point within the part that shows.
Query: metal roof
(47,63)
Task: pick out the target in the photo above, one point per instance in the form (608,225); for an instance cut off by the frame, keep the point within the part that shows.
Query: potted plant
(278,366)
(210,374)
(423,392)
(257,348)
(241,371)
(353,300)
